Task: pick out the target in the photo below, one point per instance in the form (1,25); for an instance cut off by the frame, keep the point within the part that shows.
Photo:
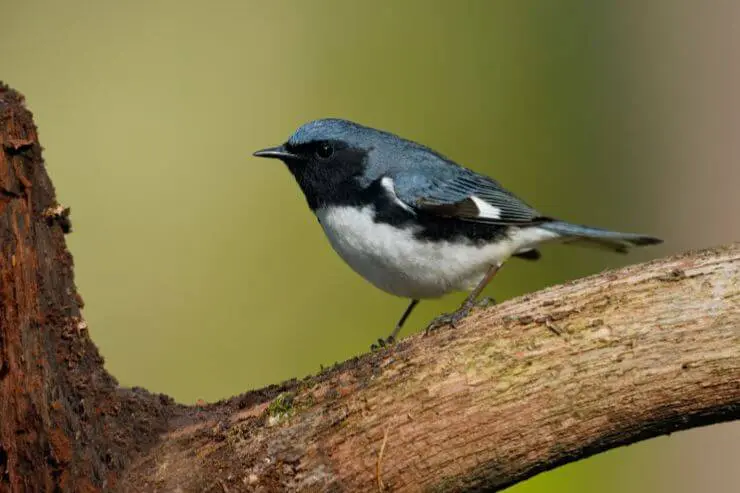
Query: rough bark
(516,389)
(63,421)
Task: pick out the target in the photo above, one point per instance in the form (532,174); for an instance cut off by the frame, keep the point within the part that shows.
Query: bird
(413,222)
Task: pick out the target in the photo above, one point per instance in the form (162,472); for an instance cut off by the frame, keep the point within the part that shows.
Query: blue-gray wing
(462,194)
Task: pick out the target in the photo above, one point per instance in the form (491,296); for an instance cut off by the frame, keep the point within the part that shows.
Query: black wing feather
(453,197)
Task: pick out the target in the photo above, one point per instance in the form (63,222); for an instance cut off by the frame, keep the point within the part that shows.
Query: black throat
(333,181)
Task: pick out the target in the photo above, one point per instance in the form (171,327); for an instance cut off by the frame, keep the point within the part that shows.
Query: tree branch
(520,388)
(517,389)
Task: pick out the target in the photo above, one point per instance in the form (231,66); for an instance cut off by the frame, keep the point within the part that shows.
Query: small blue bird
(414,223)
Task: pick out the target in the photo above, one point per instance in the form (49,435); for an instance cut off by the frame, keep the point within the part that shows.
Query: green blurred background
(205,274)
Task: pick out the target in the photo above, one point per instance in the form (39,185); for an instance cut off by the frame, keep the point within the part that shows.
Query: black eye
(324,150)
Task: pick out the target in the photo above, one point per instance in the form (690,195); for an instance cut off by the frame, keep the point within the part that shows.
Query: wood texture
(63,422)
(517,389)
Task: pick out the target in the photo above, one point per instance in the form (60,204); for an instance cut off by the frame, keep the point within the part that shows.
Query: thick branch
(519,388)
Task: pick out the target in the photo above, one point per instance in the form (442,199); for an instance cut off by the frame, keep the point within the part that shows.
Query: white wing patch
(387,183)
(485,209)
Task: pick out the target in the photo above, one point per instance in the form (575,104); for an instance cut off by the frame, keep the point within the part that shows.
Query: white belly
(396,262)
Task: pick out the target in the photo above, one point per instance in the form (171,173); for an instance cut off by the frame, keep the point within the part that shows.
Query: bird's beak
(279,152)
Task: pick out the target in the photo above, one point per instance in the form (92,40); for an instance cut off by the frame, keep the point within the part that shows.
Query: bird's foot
(451,319)
(383,343)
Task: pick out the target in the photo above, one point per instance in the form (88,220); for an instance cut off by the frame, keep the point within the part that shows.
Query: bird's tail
(596,237)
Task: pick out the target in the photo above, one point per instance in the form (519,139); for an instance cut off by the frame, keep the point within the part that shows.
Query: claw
(451,319)
(382,343)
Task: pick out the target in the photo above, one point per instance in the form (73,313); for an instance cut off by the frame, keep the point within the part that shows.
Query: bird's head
(322,142)
(327,157)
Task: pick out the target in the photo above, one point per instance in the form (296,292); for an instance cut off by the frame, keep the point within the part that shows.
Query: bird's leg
(469,302)
(392,338)
(402,320)
(464,310)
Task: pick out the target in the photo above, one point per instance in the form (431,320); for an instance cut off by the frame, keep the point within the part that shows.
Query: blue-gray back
(422,178)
